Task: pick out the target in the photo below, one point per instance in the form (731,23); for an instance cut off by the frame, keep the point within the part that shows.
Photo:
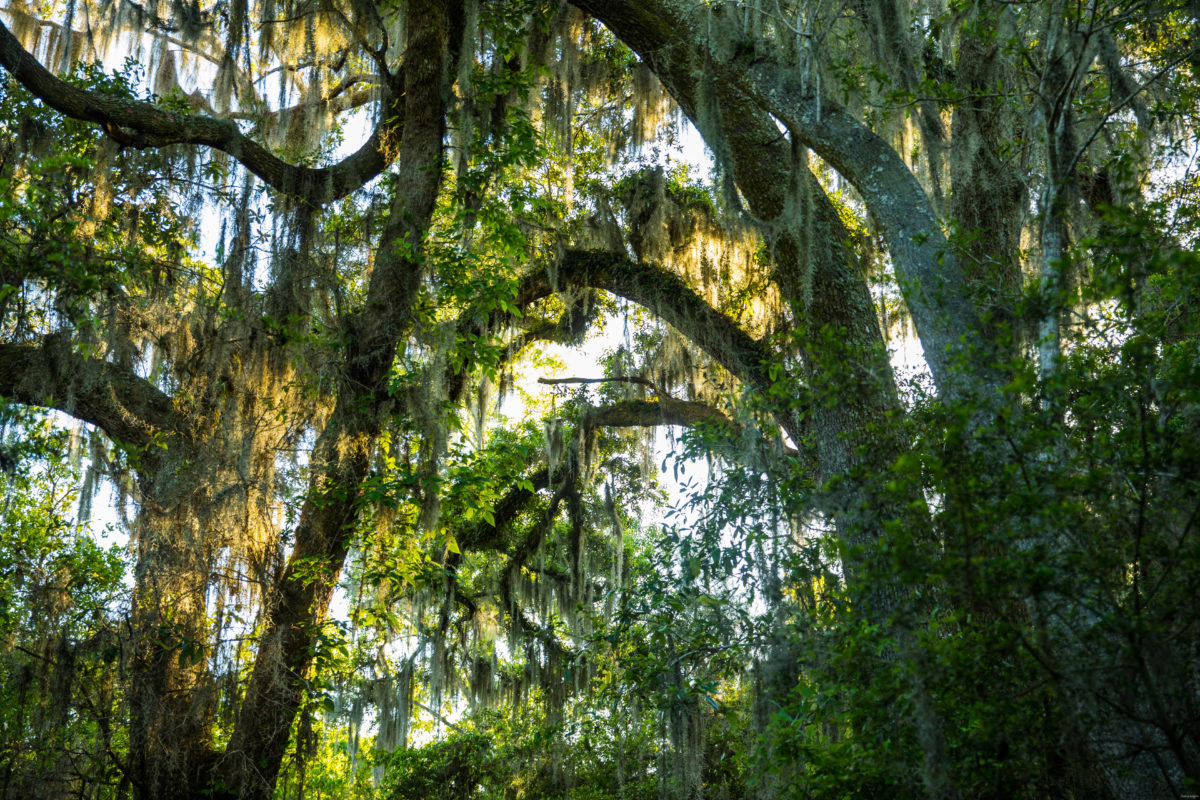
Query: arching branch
(666,295)
(141,125)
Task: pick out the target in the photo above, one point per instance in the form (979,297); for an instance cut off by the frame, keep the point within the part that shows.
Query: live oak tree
(281,399)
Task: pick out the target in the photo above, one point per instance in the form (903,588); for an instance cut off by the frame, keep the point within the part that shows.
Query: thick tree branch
(51,374)
(933,284)
(141,125)
(683,48)
(527,547)
(491,537)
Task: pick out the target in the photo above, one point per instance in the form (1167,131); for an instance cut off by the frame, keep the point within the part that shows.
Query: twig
(614,379)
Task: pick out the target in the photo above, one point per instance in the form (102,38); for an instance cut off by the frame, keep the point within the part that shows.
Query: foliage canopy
(274,293)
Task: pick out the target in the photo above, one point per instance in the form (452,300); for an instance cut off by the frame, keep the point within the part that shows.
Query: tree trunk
(297,608)
(171,694)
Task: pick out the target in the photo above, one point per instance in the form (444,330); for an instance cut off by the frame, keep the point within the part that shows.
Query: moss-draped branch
(666,295)
(144,125)
(52,374)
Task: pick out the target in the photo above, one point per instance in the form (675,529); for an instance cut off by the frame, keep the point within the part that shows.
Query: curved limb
(143,125)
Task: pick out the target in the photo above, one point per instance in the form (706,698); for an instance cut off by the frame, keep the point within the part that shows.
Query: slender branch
(336,101)
(1119,106)
(444,721)
(614,379)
